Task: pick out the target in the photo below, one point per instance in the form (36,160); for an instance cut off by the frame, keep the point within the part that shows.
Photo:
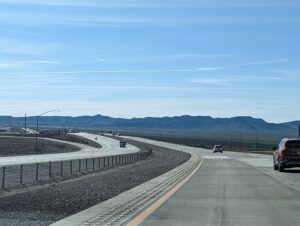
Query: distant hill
(182,123)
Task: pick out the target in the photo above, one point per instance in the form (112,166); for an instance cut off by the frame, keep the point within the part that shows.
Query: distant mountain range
(182,123)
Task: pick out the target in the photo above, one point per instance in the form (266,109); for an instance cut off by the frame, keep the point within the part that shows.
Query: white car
(218,148)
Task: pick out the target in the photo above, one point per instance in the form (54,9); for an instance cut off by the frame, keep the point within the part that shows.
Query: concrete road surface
(232,189)
(110,147)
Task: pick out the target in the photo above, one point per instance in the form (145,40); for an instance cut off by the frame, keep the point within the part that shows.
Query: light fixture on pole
(37,127)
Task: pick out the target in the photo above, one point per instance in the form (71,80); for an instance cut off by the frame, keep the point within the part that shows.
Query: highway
(232,189)
(110,147)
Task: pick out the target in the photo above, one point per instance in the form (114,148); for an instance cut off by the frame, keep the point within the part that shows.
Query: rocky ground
(46,205)
(10,146)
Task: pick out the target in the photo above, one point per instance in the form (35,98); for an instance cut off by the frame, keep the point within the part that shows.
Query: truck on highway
(123,144)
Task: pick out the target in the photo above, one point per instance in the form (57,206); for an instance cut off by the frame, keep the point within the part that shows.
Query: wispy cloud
(258,63)
(24,63)
(176,70)
(93,3)
(210,68)
(210,81)
(242,65)
(19,47)
(112,18)
(225,80)
(156,3)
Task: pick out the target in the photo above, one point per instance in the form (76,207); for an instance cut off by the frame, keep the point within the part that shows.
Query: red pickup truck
(286,154)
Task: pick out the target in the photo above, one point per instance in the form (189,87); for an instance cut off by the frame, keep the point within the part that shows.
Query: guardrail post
(50,169)
(37,172)
(99,161)
(21,174)
(104,162)
(86,165)
(71,167)
(93,164)
(3,177)
(61,168)
(79,166)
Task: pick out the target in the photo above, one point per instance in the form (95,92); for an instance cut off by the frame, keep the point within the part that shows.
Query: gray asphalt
(110,147)
(236,189)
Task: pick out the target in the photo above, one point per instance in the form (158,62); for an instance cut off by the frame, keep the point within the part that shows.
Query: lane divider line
(156,204)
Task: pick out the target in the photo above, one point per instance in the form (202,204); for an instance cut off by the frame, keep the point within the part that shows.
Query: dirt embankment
(73,138)
(11,146)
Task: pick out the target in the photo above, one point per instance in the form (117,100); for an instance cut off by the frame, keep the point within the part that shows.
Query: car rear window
(293,144)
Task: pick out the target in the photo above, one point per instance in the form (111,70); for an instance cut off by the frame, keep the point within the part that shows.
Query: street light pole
(230,136)
(37,127)
(241,142)
(36,134)
(257,142)
(25,123)
(241,137)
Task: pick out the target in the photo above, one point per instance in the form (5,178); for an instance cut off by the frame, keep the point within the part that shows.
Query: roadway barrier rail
(18,176)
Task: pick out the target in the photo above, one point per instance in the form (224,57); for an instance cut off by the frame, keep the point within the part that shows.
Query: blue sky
(136,58)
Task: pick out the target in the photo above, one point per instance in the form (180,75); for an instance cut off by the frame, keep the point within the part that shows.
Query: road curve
(232,189)
(110,147)
(229,189)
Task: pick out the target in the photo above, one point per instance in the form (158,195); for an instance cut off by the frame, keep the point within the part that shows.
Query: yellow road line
(154,206)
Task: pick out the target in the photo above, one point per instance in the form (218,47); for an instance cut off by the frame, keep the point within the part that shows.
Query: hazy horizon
(62,115)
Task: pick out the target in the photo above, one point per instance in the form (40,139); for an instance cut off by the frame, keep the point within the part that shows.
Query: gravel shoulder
(12,146)
(47,205)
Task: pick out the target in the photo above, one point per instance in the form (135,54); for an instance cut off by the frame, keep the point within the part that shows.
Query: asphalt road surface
(109,147)
(232,189)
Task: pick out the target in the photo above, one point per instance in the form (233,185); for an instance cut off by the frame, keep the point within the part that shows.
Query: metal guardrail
(17,176)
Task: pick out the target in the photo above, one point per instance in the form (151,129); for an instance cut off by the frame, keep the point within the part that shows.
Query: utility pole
(25,123)
(257,142)
(241,142)
(36,134)
(241,136)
